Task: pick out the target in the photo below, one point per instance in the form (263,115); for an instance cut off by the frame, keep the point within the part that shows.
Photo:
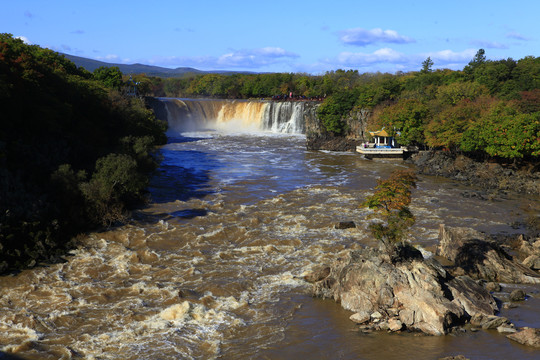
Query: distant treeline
(491,108)
(75,151)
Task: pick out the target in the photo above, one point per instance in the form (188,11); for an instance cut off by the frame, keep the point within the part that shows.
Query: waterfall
(186,115)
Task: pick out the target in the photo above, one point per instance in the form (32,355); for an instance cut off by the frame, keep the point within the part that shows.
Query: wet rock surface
(408,294)
(487,175)
(331,143)
(317,138)
(403,291)
(342,225)
(517,295)
(475,255)
(527,336)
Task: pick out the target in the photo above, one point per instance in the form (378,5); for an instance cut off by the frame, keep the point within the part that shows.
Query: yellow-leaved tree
(391,205)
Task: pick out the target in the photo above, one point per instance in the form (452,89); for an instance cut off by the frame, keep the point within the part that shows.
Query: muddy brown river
(213,267)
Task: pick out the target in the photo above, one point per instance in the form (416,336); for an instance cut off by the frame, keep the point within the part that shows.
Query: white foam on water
(190,288)
(177,312)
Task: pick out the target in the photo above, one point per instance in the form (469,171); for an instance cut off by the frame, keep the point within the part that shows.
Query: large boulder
(482,259)
(452,239)
(529,251)
(413,293)
(527,336)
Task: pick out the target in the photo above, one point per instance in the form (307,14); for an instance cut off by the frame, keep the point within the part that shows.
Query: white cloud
(254,58)
(517,36)
(363,37)
(179,61)
(246,59)
(24,39)
(278,59)
(112,58)
(387,59)
(384,55)
(445,57)
(489,45)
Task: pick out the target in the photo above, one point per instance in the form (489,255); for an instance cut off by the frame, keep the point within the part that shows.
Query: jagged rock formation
(528,251)
(527,336)
(473,254)
(317,138)
(401,293)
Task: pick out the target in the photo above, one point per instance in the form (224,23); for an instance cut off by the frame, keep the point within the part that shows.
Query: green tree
(478,60)
(457,91)
(446,128)
(335,108)
(405,119)
(504,133)
(427,65)
(494,75)
(110,76)
(526,73)
(57,120)
(115,183)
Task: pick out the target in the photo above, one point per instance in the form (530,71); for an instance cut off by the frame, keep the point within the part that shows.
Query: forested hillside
(491,108)
(75,152)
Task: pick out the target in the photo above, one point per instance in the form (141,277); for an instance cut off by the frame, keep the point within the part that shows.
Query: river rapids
(213,267)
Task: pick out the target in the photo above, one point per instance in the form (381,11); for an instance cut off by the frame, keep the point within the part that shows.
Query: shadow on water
(175,182)
(190,213)
(5,356)
(181,176)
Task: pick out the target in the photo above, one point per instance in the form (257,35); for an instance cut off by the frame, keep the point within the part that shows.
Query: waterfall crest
(186,115)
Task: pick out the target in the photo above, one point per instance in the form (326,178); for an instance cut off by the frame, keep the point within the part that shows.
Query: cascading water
(187,115)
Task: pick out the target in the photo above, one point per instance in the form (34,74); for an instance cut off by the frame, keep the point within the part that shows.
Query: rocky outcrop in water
(475,255)
(403,293)
(527,336)
(487,175)
(528,251)
(317,138)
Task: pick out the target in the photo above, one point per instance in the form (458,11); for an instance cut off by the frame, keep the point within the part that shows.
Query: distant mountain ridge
(149,70)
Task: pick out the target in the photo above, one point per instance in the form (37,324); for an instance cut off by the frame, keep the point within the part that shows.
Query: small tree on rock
(390,202)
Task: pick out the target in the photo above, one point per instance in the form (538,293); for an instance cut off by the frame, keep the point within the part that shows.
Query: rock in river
(527,336)
(482,259)
(410,293)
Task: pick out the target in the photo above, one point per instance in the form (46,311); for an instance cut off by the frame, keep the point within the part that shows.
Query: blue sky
(280,35)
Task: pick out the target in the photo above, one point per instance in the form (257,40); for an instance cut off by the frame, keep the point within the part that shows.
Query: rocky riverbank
(411,294)
(485,174)
(405,292)
(317,138)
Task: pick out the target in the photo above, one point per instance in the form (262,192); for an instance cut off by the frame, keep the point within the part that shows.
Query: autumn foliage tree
(390,203)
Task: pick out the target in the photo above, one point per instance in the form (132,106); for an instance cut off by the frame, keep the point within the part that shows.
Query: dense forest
(75,151)
(491,108)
